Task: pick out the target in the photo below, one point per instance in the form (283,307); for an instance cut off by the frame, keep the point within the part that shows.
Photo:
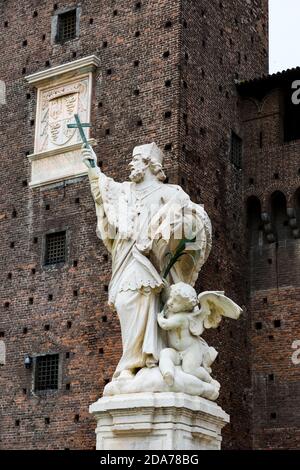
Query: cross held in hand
(80,125)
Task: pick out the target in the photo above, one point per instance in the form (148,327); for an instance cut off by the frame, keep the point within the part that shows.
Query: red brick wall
(86,369)
(198,159)
(274,276)
(224,41)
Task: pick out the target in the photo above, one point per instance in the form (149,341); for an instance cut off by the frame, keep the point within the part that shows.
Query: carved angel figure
(185,322)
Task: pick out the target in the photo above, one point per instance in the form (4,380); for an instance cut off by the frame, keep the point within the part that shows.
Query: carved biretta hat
(149,150)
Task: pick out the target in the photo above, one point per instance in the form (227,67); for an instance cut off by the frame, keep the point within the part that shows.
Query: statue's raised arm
(88,156)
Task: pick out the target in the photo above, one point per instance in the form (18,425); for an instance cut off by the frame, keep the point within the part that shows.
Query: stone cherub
(185,323)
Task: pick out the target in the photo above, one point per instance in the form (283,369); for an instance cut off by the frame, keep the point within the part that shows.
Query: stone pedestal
(158,421)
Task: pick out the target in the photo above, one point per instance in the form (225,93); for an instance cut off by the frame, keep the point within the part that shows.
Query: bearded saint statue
(141,223)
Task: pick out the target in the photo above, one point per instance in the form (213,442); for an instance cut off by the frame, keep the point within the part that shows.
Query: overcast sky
(284,34)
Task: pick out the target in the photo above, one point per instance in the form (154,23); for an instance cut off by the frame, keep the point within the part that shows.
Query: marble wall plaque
(61,92)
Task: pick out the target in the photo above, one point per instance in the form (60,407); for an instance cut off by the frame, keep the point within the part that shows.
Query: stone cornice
(59,150)
(84,65)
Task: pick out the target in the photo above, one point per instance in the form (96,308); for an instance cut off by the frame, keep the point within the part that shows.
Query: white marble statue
(157,238)
(139,222)
(185,323)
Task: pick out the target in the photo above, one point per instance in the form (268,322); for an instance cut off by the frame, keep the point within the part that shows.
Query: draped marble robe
(139,228)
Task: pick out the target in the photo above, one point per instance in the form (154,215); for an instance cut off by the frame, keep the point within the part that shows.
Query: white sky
(284,30)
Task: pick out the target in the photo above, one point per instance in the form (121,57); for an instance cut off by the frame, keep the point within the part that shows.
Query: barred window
(236,150)
(66,26)
(55,250)
(46,372)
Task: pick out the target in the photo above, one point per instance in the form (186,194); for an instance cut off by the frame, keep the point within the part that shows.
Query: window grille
(236,150)
(66,26)
(55,251)
(46,372)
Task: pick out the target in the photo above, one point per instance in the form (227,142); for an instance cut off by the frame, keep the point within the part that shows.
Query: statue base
(158,421)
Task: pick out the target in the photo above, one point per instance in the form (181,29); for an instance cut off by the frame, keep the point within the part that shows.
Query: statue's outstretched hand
(88,155)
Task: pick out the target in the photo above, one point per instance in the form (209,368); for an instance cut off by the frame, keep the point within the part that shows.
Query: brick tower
(271,193)
(165,71)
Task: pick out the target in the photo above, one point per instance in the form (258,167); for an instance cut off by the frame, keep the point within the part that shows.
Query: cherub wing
(214,305)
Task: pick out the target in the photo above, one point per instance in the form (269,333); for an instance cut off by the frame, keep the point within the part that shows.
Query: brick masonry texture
(221,42)
(272,165)
(210,45)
